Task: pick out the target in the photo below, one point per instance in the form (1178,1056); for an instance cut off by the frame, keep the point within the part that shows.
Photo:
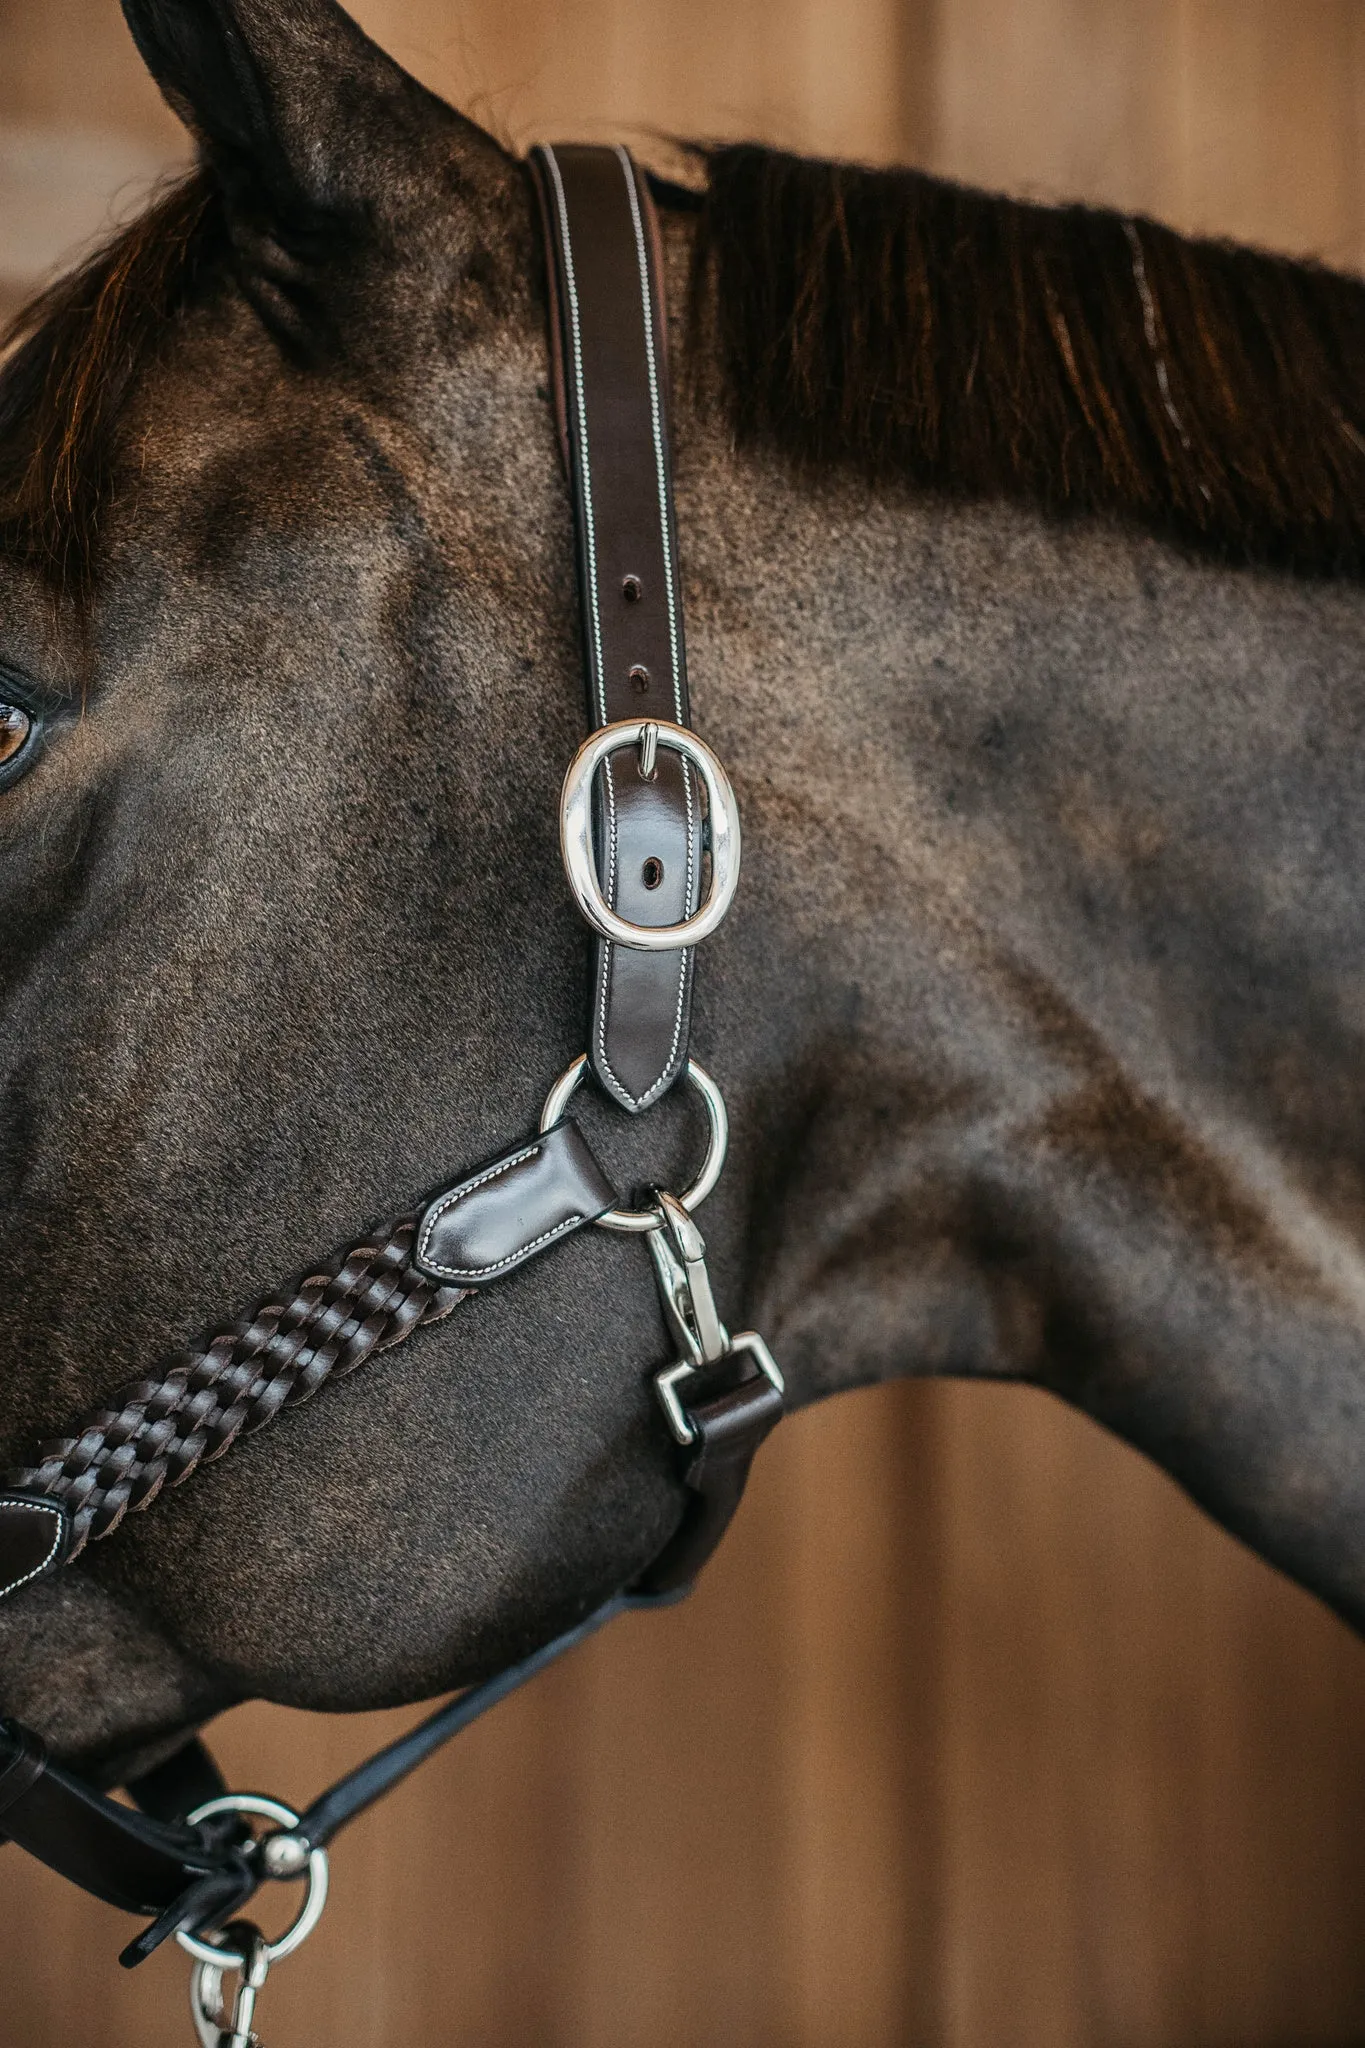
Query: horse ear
(295,107)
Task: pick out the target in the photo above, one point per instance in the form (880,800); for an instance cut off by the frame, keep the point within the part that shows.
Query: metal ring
(642,1220)
(310,1912)
(575,835)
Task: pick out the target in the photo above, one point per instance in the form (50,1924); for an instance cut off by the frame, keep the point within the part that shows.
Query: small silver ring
(310,1912)
(642,1220)
(575,835)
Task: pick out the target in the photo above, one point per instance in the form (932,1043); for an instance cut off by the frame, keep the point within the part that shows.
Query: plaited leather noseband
(650,839)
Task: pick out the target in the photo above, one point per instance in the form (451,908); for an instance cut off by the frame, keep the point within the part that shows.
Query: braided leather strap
(154,1432)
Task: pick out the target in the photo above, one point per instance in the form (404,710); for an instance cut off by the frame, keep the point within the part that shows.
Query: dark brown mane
(72,356)
(1074,358)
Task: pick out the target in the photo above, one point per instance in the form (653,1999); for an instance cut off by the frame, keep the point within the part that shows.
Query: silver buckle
(678,1251)
(575,833)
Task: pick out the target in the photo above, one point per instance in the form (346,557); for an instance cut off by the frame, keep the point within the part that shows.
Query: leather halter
(647,859)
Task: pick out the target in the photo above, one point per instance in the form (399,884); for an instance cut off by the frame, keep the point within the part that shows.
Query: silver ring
(642,1220)
(575,835)
(310,1912)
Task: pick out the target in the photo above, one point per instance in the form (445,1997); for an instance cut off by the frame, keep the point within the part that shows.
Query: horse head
(1014,582)
(287,938)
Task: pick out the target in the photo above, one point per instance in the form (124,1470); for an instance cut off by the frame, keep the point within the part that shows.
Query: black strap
(150,1862)
(609,342)
(732,1409)
(127,1858)
(175,1787)
(360,1788)
(197,1878)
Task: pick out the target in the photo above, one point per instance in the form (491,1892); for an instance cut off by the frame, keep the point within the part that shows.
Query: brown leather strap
(513,1209)
(732,1408)
(609,338)
(154,1433)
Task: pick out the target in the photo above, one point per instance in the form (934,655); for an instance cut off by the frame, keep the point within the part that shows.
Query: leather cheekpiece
(495,1220)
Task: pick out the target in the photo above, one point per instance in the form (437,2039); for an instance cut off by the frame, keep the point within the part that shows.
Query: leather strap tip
(517,1206)
(35,1536)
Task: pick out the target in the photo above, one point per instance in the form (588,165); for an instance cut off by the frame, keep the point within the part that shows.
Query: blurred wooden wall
(1005,1747)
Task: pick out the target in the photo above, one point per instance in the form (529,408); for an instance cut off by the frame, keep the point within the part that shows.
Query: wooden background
(1003,1743)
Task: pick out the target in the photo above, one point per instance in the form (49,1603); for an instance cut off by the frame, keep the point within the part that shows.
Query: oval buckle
(575,833)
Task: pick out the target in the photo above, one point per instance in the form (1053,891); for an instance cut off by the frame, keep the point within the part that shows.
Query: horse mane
(68,361)
(1077,359)
(888,321)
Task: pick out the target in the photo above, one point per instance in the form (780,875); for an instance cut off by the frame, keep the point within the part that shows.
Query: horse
(1022,554)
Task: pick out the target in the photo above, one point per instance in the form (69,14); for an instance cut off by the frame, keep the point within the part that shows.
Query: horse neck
(1041,1001)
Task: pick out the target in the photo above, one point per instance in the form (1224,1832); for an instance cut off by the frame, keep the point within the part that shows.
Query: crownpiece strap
(609,340)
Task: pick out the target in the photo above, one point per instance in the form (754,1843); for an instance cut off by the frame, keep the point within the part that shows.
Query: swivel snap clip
(240,1946)
(214,2028)
(678,1252)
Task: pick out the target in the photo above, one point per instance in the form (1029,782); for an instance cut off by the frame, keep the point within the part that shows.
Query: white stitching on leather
(522,1252)
(39,1507)
(589,524)
(452,1201)
(608,950)
(656,422)
(590,538)
(656,1087)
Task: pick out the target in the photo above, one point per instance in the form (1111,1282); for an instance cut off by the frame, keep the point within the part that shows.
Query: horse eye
(16,729)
